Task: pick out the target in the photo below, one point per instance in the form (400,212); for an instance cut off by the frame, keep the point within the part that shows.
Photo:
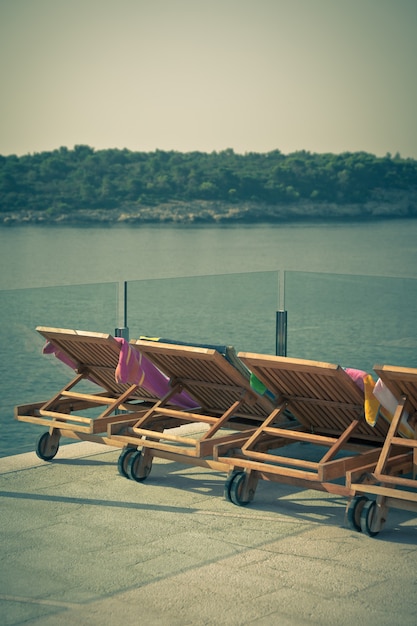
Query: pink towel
(129,368)
(49,348)
(357,376)
(135,368)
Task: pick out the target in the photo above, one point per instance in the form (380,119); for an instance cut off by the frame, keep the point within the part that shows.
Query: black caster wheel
(228,484)
(123,461)
(47,446)
(367,519)
(137,469)
(354,512)
(237,482)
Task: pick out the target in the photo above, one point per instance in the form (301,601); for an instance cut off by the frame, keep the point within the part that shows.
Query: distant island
(85,186)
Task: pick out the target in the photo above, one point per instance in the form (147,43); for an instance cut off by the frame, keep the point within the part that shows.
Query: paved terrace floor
(82,545)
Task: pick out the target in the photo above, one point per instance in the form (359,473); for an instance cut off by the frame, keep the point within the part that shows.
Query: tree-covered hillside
(68,181)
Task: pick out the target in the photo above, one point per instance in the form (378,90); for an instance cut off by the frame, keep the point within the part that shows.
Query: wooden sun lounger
(94,357)
(329,408)
(227,409)
(392,479)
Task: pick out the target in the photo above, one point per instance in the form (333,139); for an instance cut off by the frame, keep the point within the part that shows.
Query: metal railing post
(123,331)
(281,320)
(281,333)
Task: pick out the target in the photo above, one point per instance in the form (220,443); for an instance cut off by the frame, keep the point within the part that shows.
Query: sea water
(350,292)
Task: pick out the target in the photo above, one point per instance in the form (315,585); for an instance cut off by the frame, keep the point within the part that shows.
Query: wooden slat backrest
(322,396)
(207,376)
(96,353)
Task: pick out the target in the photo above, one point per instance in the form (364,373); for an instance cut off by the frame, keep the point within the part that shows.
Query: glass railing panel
(232,309)
(25,374)
(356,321)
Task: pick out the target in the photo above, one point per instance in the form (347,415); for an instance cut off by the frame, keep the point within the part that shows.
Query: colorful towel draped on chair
(134,368)
(49,348)
(388,406)
(367,384)
(379,401)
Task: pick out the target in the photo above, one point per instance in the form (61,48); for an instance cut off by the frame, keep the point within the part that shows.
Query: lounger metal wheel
(354,512)
(47,446)
(123,461)
(234,488)
(138,470)
(369,522)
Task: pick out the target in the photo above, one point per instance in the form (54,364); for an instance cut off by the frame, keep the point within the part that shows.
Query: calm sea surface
(350,291)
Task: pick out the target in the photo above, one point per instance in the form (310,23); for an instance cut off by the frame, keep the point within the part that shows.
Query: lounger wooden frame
(329,408)
(95,357)
(227,406)
(386,480)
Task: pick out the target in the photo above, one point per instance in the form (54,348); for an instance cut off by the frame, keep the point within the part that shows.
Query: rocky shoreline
(399,205)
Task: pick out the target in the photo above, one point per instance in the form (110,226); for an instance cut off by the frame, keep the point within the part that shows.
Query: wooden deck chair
(226,409)
(94,357)
(387,481)
(329,408)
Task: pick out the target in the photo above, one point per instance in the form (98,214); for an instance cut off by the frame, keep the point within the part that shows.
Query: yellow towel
(371,404)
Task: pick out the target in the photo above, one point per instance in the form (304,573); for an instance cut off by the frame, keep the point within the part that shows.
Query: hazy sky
(252,75)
